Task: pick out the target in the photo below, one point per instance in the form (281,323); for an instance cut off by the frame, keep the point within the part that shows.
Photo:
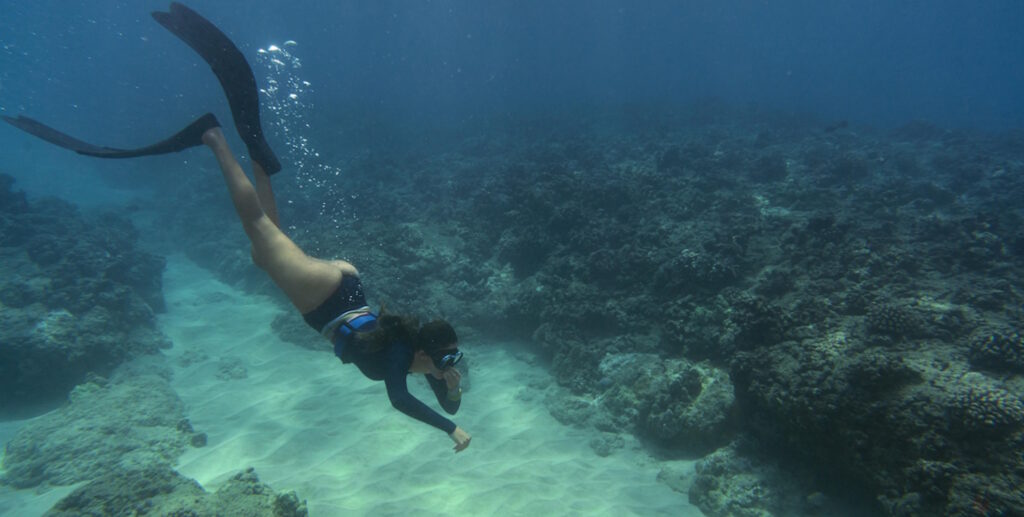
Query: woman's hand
(461,439)
(452,377)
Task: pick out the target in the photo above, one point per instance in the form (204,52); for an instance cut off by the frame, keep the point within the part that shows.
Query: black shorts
(346,298)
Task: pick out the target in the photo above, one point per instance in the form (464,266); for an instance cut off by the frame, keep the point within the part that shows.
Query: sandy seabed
(308,423)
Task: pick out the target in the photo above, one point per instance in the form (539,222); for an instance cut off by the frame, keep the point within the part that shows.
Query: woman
(330,297)
(327,293)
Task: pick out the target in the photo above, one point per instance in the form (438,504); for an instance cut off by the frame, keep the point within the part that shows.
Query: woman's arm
(449,400)
(397,369)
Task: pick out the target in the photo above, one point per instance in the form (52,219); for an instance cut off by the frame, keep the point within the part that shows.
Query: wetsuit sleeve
(397,369)
(441,391)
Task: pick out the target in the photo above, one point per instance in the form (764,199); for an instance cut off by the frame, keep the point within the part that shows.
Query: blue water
(953,63)
(104,71)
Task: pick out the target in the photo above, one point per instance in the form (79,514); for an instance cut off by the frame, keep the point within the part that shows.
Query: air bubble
(288,106)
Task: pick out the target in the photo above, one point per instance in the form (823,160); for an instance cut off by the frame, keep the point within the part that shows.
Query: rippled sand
(310,424)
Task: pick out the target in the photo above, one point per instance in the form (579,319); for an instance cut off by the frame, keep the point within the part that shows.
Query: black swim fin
(233,72)
(191,136)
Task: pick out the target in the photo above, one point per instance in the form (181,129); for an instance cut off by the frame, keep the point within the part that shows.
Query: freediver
(328,293)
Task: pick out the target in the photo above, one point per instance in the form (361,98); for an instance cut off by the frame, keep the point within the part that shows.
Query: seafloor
(828,316)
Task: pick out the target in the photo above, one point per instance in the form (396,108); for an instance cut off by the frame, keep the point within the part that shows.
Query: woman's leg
(265,192)
(305,280)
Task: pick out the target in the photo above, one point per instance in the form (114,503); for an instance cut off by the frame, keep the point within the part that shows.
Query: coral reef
(844,282)
(891,322)
(878,420)
(119,438)
(679,404)
(987,409)
(159,490)
(133,422)
(1000,351)
(736,481)
(77,304)
(77,296)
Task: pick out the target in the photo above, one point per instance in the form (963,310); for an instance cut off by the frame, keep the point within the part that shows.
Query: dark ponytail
(391,328)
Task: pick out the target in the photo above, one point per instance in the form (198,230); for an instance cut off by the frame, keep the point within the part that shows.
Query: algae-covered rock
(678,403)
(47,352)
(998,351)
(77,297)
(130,492)
(160,490)
(728,483)
(106,427)
(741,481)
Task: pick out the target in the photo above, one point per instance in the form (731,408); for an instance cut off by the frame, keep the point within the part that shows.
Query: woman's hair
(392,328)
(436,335)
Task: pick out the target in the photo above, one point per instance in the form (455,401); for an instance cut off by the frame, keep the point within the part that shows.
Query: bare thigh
(305,280)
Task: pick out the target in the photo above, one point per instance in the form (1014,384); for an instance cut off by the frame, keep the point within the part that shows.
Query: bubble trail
(287,105)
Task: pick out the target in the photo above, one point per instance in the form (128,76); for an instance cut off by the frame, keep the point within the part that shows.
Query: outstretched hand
(461,439)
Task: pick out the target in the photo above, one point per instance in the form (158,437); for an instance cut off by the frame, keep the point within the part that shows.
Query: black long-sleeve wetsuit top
(392,366)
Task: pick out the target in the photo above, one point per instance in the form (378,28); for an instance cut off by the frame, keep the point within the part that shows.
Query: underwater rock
(525,250)
(755,322)
(681,405)
(731,483)
(574,410)
(998,351)
(191,356)
(160,490)
(892,322)
(987,409)
(231,369)
(768,247)
(46,353)
(140,491)
(692,411)
(875,416)
(690,269)
(106,426)
(675,477)
(607,443)
(77,296)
